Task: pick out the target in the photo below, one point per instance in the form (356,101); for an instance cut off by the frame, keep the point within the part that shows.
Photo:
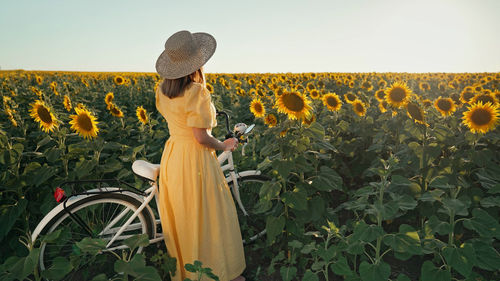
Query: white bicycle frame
(150,193)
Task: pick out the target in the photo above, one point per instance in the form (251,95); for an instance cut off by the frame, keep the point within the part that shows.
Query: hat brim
(169,69)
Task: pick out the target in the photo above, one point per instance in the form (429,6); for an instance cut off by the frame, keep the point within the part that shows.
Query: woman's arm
(201,135)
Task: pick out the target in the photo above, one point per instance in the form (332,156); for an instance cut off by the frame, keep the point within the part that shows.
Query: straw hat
(184,53)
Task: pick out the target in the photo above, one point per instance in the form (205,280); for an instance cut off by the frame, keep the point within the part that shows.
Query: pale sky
(254,35)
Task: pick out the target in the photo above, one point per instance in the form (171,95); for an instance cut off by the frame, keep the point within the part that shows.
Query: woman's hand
(201,135)
(230,144)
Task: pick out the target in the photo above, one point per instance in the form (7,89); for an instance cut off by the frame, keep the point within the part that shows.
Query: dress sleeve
(198,107)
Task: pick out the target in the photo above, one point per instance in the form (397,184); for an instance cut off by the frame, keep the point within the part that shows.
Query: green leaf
(10,216)
(60,267)
(491,201)
(455,205)
(431,273)
(308,248)
(367,233)
(274,227)
(100,277)
(190,267)
(437,226)
(31,262)
(316,207)
(283,167)
(432,195)
(404,202)
(269,190)
(483,223)
(440,182)
(288,272)
(93,246)
(327,180)
(140,240)
(111,165)
(295,244)
(310,276)
(460,259)
(374,272)
(403,277)
(296,199)
(486,256)
(52,237)
(406,241)
(341,267)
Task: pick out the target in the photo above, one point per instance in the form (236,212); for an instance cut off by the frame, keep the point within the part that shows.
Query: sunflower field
(375,176)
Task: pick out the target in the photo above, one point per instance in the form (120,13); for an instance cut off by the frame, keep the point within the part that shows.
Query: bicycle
(116,213)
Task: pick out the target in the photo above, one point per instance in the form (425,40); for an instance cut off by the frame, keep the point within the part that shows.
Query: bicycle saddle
(145,169)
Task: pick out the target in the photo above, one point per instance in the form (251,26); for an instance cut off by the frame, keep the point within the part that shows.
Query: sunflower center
(398,94)
(380,94)
(258,107)
(44,114)
(351,97)
(84,122)
(485,99)
(444,105)
(359,107)
(468,95)
(143,115)
(480,117)
(293,102)
(331,101)
(415,112)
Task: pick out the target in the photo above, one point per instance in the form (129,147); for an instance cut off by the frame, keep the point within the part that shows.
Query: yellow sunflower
(445,106)
(380,95)
(359,107)
(383,105)
(427,102)
(257,108)
(141,114)
(314,94)
(484,98)
(310,86)
(10,113)
(53,87)
(332,101)
(367,85)
(415,112)
(84,123)
(398,94)
(108,99)
(115,111)
(382,83)
(294,104)
(42,114)
(38,79)
(350,97)
(67,103)
(119,80)
(481,118)
(467,94)
(270,120)
(424,86)
(210,88)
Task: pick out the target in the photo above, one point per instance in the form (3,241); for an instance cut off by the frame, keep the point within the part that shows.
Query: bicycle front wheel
(253,225)
(99,216)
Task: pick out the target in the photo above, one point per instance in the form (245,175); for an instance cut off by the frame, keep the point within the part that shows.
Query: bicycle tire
(252,226)
(88,209)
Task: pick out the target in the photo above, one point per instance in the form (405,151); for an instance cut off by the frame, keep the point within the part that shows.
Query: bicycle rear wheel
(253,226)
(99,216)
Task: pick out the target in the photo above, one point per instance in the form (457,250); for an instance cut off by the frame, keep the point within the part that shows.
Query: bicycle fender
(71,200)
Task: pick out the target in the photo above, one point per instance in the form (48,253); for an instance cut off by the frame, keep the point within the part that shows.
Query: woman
(197,212)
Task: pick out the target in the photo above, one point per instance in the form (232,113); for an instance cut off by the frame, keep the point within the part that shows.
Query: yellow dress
(198,214)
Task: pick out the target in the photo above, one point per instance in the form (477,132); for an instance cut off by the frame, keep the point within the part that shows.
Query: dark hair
(174,87)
